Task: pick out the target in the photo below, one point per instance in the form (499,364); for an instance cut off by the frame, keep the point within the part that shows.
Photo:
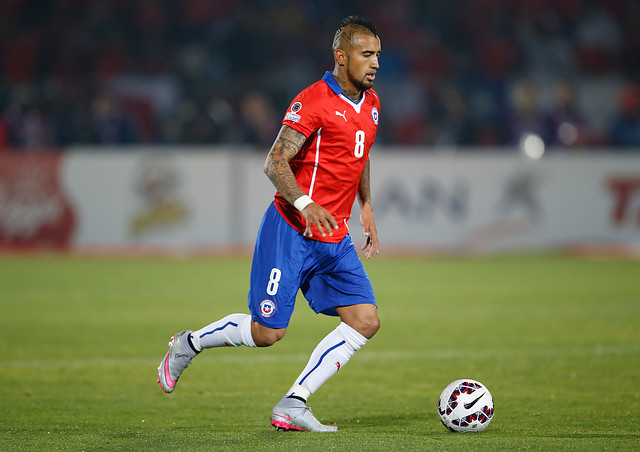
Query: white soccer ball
(465,406)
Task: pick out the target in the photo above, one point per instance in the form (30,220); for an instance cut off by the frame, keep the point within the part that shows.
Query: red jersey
(329,166)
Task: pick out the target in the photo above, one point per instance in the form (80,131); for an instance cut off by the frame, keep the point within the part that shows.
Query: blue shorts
(329,274)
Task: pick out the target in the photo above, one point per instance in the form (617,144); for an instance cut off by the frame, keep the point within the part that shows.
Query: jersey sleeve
(303,114)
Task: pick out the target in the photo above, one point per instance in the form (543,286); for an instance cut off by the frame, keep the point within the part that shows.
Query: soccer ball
(465,406)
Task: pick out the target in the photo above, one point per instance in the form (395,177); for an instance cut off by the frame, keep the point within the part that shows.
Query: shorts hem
(331,311)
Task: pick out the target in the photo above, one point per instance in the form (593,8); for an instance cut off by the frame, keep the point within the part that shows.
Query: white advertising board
(206,199)
(496,201)
(166,198)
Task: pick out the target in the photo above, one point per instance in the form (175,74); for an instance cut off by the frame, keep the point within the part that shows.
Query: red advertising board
(34,210)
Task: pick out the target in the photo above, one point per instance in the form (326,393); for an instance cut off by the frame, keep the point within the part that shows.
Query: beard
(361,84)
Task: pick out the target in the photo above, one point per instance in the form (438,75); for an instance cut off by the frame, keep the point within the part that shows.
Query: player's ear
(340,57)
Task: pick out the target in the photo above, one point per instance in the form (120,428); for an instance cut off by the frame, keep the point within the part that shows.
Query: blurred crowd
(454,73)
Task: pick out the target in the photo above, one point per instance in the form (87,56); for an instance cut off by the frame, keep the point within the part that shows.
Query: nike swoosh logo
(473,402)
(167,376)
(286,418)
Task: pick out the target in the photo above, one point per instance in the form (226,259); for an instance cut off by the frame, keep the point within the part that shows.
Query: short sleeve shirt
(329,165)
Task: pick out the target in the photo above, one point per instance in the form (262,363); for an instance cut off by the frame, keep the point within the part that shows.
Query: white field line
(386,356)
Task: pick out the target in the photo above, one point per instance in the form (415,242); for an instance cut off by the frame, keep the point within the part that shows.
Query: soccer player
(318,163)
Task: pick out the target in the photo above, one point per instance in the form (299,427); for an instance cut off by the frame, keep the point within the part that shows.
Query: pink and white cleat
(299,419)
(175,361)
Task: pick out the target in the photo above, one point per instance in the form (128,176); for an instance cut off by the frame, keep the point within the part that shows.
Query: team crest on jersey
(295,108)
(267,308)
(374,115)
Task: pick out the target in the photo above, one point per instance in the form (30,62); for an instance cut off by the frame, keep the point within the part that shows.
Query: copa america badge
(374,115)
(293,115)
(267,308)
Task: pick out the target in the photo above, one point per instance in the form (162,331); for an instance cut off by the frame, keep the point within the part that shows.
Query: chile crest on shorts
(267,308)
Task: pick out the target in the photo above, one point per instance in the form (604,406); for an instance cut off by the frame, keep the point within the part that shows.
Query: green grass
(555,339)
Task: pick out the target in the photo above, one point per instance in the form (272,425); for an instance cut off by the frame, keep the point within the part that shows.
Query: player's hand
(368,223)
(318,215)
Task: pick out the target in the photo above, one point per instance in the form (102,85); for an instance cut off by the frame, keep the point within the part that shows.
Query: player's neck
(348,89)
(355,97)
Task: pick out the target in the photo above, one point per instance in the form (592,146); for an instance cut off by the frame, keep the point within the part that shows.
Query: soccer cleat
(300,419)
(175,361)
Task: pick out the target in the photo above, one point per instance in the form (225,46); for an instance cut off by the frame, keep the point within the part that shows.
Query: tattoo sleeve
(287,144)
(364,188)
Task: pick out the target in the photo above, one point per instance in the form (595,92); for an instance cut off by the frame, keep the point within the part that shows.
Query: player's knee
(366,324)
(265,337)
(370,325)
(362,317)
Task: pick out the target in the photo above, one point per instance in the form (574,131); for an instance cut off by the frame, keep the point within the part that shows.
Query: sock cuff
(299,392)
(245,331)
(351,336)
(194,342)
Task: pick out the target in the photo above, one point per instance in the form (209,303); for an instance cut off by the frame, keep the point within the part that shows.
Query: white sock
(232,331)
(329,356)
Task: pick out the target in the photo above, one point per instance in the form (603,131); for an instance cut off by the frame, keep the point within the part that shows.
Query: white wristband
(302,202)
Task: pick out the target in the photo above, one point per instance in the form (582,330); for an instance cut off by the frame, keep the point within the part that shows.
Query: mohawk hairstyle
(358,22)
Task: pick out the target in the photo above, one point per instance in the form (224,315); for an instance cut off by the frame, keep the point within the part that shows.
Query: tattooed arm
(288,143)
(367,219)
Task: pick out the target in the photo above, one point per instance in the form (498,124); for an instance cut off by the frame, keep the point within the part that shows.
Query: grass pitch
(555,339)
